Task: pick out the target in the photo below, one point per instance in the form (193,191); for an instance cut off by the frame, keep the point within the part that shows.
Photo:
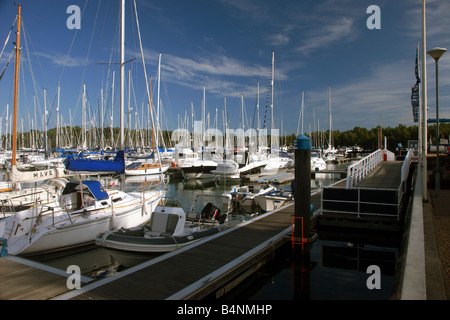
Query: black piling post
(302,218)
(302,189)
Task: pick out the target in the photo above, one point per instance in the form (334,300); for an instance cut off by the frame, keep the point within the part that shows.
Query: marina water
(337,266)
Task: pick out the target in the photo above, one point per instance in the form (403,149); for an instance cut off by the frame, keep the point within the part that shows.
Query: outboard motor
(235,200)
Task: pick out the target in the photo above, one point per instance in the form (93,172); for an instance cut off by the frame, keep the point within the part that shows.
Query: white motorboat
(195,165)
(227,169)
(170,228)
(273,200)
(244,196)
(84,210)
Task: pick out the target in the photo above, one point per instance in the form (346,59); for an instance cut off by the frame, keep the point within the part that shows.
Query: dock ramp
(374,188)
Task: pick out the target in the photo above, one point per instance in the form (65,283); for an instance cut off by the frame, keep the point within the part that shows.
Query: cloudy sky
(225,46)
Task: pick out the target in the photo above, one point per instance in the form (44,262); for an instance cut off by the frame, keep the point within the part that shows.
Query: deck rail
(357,171)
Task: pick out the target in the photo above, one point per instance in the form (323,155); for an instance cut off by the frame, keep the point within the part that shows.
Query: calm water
(336,267)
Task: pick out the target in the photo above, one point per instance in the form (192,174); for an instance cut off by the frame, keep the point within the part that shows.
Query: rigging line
(33,78)
(89,50)
(7,38)
(7,63)
(71,45)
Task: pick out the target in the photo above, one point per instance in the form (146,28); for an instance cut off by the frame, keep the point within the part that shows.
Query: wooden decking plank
(21,282)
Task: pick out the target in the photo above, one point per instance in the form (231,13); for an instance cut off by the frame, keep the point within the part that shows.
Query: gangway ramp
(378,195)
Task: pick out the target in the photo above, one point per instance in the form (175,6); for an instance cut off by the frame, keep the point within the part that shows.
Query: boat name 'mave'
(225,309)
(43,174)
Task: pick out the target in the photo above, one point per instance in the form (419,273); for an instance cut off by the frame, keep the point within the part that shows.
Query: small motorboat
(274,199)
(244,196)
(170,228)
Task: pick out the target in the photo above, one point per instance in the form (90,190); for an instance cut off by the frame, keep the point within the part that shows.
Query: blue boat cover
(117,165)
(96,189)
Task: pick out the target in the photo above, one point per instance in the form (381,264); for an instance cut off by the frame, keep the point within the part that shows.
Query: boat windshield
(133,165)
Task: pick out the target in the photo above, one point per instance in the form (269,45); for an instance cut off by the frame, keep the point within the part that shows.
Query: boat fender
(113,222)
(85,214)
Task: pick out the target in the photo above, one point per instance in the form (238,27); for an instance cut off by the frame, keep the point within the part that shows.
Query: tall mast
(111,125)
(303,108)
(83,119)
(329,111)
(45,122)
(57,119)
(129,107)
(16,86)
(102,141)
(258,143)
(271,84)
(157,103)
(122,75)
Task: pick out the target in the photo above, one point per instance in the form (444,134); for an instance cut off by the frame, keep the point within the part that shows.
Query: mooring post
(302,188)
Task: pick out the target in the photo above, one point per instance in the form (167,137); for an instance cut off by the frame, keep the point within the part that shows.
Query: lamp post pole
(436,53)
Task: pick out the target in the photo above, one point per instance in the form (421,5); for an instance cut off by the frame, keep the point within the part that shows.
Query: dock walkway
(203,268)
(213,265)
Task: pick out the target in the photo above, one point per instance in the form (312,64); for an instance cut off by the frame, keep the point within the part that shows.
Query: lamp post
(436,53)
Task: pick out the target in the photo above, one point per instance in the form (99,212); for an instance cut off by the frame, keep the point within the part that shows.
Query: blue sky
(226,46)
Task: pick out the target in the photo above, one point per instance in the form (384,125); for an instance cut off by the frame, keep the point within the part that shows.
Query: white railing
(406,164)
(357,171)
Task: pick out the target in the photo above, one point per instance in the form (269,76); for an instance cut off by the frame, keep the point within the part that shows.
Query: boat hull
(135,241)
(65,234)
(270,203)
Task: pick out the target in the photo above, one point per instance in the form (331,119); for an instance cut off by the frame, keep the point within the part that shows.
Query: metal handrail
(357,171)
(405,166)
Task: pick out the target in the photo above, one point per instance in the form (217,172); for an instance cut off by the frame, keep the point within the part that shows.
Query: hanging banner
(415,96)
(415,102)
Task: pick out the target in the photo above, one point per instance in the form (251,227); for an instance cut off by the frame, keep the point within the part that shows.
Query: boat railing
(357,171)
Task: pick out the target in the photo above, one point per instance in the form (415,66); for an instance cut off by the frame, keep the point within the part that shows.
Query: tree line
(369,138)
(365,138)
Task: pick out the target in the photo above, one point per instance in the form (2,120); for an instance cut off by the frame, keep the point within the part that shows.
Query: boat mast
(57,119)
(258,144)
(157,102)
(329,111)
(16,87)
(271,104)
(122,75)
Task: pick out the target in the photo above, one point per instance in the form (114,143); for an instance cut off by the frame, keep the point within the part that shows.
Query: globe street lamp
(436,53)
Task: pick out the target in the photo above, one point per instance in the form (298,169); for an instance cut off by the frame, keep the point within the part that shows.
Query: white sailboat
(83,210)
(317,162)
(330,153)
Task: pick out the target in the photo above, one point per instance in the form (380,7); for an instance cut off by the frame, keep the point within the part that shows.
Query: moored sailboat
(83,210)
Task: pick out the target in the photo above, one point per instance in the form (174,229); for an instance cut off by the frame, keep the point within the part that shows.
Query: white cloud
(221,74)
(278,39)
(327,34)
(62,59)
(385,92)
